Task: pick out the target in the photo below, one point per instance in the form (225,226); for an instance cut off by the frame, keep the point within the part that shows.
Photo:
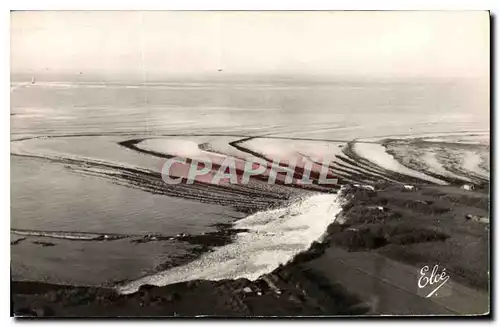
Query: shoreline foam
(274,238)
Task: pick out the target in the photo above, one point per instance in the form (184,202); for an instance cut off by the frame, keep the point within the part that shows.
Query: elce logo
(429,284)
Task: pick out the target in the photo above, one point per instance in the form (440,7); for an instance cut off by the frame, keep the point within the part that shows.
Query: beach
(110,223)
(365,265)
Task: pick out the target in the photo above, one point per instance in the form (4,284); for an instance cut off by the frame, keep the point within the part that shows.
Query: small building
(468,187)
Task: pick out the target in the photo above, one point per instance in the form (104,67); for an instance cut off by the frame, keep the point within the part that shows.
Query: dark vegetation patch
(364,198)
(376,218)
(419,227)
(355,240)
(371,214)
(315,251)
(476,202)
(422,207)
(376,236)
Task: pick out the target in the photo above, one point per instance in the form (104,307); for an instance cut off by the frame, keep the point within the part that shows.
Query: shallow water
(52,198)
(70,171)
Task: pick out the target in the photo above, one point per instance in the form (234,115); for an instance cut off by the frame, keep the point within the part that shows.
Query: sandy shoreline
(367,265)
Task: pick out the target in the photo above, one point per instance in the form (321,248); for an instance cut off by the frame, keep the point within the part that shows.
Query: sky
(356,44)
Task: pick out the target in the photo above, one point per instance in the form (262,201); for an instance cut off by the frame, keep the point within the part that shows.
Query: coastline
(367,263)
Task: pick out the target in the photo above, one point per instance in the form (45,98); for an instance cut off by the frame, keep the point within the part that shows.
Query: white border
(253,5)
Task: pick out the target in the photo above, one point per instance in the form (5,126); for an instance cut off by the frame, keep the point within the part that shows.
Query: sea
(89,206)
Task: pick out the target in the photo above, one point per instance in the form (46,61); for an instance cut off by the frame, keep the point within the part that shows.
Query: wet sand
(367,264)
